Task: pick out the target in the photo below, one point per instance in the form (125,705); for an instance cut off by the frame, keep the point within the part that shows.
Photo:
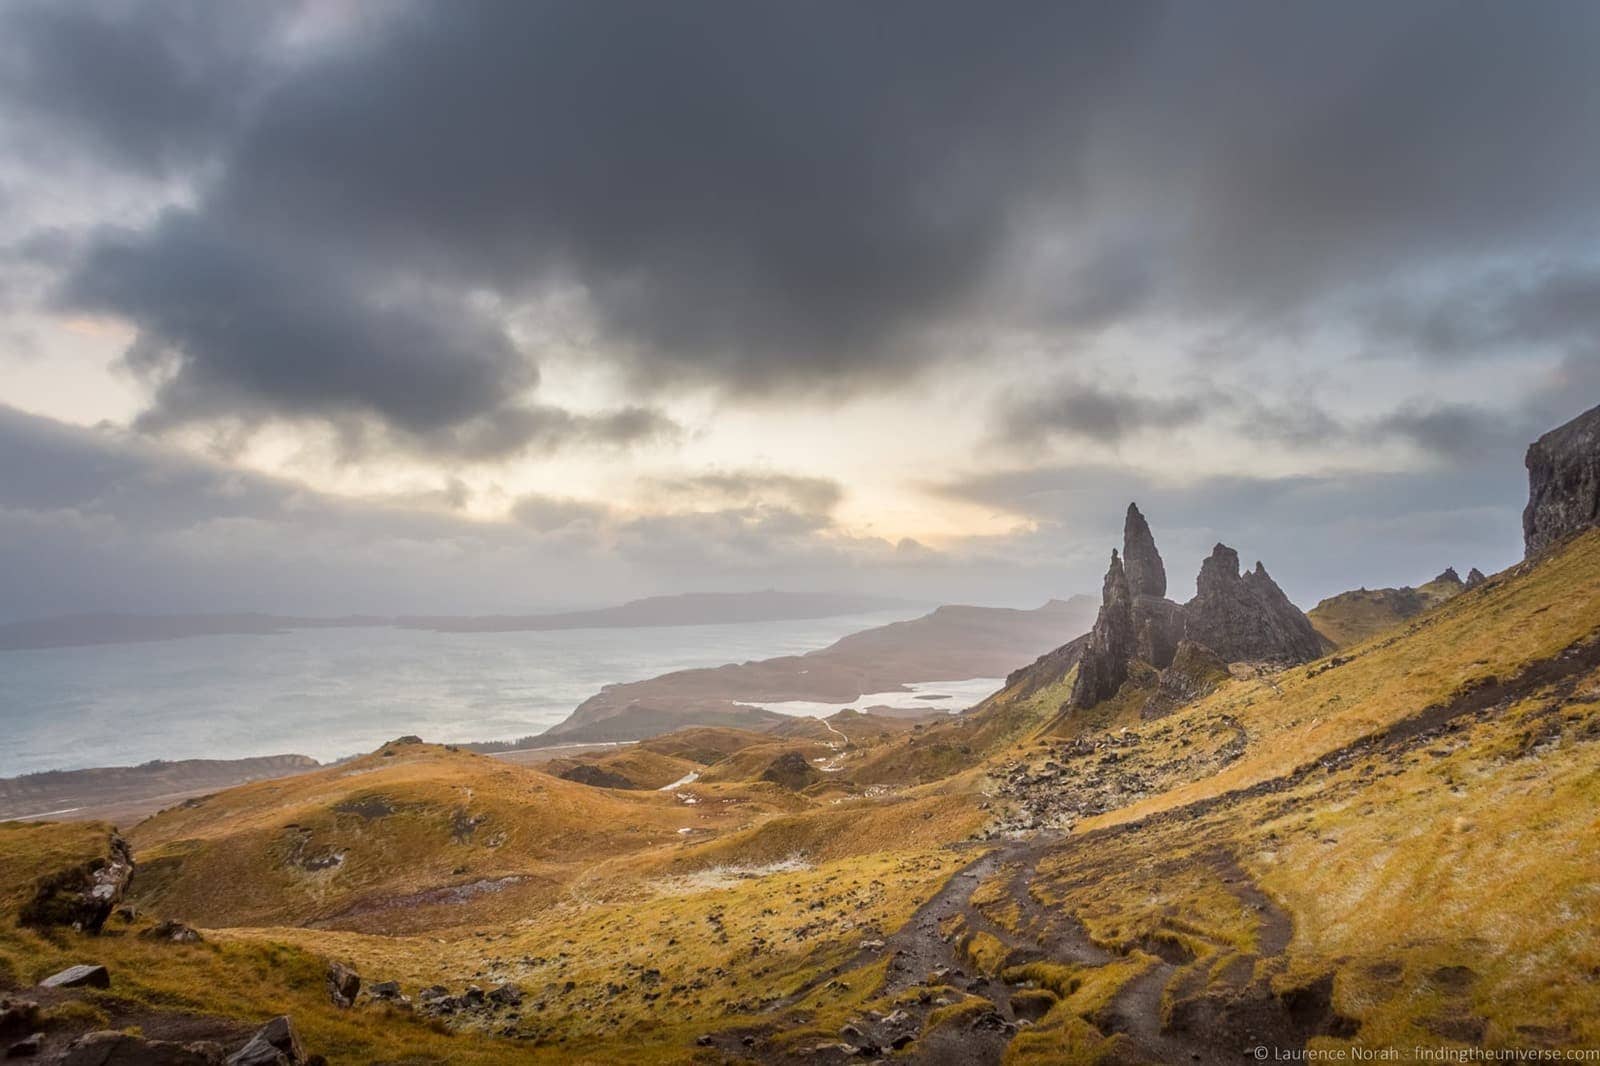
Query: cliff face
(1233,616)
(1563,482)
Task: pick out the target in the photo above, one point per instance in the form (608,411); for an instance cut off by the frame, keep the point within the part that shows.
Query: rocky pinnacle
(1146,575)
(1104,665)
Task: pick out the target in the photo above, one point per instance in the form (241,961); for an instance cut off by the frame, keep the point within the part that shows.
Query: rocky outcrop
(1139,632)
(790,770)
(82,896)
(1112,644)
(596,776)
(1563,483)
(1247,617)
(1140,560)
(1475,578)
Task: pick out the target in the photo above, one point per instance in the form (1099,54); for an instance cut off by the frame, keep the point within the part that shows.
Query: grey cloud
(1534,307)
(812,495)
(151,86)
(1087,411)
(106,520)
(247,334)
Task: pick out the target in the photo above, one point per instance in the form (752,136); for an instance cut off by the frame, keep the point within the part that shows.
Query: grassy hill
(1351,617)
(1386,847)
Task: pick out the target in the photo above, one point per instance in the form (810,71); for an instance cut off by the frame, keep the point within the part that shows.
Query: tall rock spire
(1146,575)
(1104,665)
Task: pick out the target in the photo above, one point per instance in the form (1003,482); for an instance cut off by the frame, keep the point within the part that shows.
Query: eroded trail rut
(1223,1009)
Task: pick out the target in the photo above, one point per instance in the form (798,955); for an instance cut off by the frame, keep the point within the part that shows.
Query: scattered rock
(82,896)
(18,1016)
(506,995)
(81,976)
(344,984)
(275,1044)
(109,1048)
(176,932)
(1563,482)
(26,1048)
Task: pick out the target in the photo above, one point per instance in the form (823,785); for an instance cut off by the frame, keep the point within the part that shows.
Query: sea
(330,693)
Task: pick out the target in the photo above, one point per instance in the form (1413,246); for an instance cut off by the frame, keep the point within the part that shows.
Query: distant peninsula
(686,609)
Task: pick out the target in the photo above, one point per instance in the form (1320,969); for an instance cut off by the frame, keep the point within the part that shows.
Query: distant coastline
(687,609)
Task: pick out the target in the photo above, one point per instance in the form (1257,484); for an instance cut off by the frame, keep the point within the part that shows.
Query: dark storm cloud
(251,332)
(779,196)
(760,193)
(150,85)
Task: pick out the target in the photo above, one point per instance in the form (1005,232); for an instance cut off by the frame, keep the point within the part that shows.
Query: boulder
(81,976)
(176,932)
(506,995)
(1563,483)
(82,896)
(275,1044)
(1103,666)
(110,1048)
(344,984)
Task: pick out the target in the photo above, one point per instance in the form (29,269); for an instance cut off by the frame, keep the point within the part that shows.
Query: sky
(481,306)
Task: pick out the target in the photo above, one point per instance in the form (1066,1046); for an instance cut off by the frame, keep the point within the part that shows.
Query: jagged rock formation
(1247,616)
(1232,617)
(1563,482)
(1475,578)
(1103,666)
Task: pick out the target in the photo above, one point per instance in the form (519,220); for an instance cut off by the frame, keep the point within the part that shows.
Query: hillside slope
(1382,848)
(1353,616)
